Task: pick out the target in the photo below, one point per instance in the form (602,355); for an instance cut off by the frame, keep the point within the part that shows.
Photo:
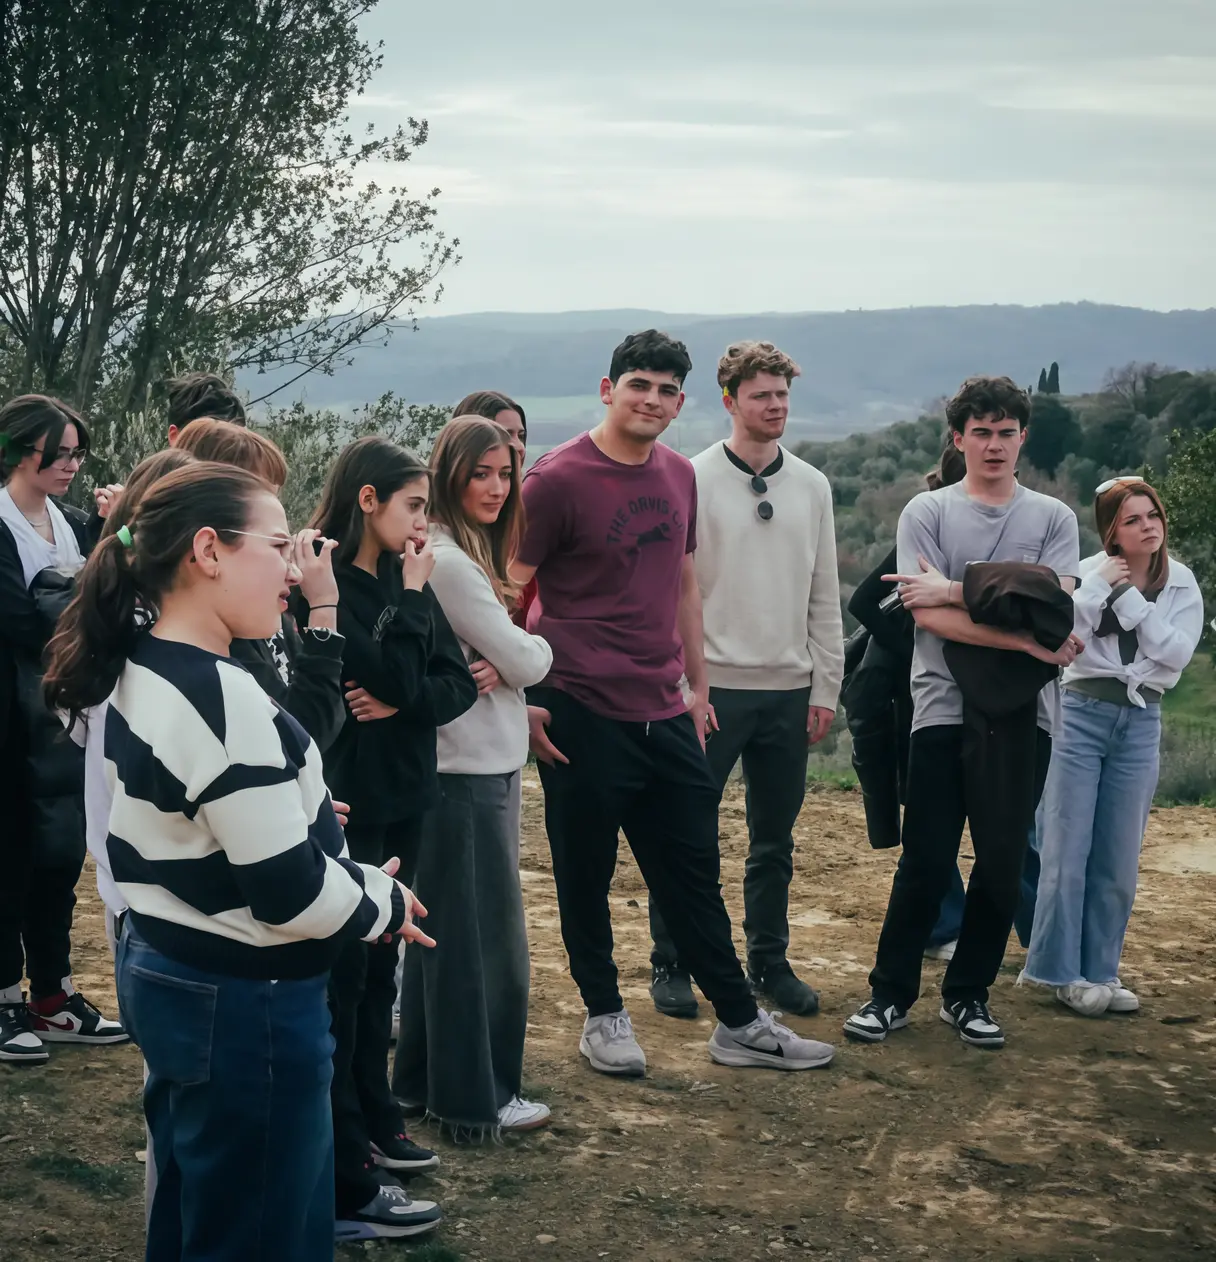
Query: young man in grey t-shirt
(988,516)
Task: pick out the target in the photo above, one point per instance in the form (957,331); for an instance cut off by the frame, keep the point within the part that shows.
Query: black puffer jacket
(41,770)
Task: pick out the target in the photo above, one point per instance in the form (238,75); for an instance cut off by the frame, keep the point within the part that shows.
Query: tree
(1186,491)
(309,440)
(181,187)
(1193,406)
(1054,432)
(1053,378)
(1042,381)
(1133,382)
(1117,439)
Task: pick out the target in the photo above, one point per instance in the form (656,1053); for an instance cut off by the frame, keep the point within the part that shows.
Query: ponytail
(96,632)
(129,571)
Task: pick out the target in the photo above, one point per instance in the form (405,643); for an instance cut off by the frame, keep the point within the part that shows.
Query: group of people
(292,753)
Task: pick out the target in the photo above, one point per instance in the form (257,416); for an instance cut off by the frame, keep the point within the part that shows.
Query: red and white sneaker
(72,1019)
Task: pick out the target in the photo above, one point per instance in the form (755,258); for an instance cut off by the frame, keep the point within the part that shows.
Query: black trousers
(37,899)
(652,781)
(362,990)
(939,795)
(767,729)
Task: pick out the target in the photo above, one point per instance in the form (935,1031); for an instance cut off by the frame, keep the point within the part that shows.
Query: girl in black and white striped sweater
(225,845)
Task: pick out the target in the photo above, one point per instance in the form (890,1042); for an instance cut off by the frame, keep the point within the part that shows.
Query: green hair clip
(5,439)
(123,535)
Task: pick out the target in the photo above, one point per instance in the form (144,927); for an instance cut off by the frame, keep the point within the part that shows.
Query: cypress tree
(1053,378)
(1042,380)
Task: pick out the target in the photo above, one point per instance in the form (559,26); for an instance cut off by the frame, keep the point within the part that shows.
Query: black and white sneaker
(971,1019)
(18,1042)
(72,1019)
(391,1213)
(873,1021)
(399,1152)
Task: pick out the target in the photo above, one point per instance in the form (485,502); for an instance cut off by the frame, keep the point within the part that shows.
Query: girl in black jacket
(407,676)
(42,844)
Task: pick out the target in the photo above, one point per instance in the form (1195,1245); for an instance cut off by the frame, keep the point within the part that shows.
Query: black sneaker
(18,1042)
(873,1021)
(72,1019)
(671,990)
(391,1213)
(399,1152)
(788,992)
(971,1019)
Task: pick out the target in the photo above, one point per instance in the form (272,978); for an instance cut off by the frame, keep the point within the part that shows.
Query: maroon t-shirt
(609,541)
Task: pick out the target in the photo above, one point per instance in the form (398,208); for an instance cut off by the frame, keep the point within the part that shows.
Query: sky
(810,155)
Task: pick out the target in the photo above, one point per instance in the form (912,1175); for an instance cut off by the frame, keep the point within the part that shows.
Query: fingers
(412,933)
(711,720)
(898,578)
(391,866)
(924,565)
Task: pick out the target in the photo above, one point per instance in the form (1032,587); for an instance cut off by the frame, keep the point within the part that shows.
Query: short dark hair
(488,403)
(29,417)
(650,351)
(988,396)
(199,395)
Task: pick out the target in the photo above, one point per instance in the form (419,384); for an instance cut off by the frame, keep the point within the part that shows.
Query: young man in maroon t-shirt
(611,531)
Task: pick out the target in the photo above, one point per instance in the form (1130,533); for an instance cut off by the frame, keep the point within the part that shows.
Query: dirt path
(1082,1139)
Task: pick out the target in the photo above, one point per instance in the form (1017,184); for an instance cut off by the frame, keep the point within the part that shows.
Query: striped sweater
(223,840)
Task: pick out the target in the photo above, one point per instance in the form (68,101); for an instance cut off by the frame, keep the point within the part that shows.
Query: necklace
(38,525)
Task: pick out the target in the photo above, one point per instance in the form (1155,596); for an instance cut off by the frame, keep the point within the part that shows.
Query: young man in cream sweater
(774,651)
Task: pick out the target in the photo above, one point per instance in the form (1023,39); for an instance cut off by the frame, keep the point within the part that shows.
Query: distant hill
(861,369)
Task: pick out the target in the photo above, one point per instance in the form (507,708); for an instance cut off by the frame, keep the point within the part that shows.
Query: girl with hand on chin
(1139,614)
(464,1014)
(406,677)
(224,842)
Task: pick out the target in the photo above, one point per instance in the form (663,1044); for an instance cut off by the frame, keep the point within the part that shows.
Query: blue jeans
(237,1105)
(1095,808)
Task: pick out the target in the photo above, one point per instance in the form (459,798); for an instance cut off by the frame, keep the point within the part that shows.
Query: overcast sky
(811,155)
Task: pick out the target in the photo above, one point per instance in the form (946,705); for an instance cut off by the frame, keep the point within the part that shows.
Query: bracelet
(312,607)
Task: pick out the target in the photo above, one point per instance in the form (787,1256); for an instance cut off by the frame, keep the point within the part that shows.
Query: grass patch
(503,1185)
(100,1180)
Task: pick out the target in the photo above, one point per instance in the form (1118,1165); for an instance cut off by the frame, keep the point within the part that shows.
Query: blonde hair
(462,443)
(745,360)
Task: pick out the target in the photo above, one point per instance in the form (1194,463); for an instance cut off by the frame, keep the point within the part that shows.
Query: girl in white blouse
(1140,614)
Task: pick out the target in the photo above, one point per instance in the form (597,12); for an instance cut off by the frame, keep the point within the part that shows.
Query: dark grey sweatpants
(768,730)
(464,1002)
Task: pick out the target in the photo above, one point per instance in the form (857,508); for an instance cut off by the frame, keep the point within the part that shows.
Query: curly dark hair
(999,397)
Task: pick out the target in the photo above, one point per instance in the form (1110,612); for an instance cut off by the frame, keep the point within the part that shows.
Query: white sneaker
(945,951)
(1122,999)
(1084,997)
(608,1043)
(522,1115)
(768,1045)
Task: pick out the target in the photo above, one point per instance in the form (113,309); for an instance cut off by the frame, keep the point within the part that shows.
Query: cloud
(786,155)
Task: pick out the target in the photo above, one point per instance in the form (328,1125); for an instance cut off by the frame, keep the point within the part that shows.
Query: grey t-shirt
(951,530)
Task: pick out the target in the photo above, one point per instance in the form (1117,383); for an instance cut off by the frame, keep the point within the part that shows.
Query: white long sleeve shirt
(492,737)
(1167,629)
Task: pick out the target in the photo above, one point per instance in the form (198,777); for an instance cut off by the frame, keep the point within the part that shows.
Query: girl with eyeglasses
(1139,614)
(42,841)
(224,841)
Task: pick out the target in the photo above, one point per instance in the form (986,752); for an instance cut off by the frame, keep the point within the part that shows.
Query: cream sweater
(770,588)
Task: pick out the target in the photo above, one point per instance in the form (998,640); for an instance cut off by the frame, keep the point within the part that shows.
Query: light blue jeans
(1095,806)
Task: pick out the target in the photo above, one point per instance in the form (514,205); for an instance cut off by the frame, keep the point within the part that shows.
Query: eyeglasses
(65,455)
(285,540)
(1111,483)
(764,510)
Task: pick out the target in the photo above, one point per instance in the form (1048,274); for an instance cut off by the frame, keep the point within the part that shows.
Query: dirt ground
(1082,1139)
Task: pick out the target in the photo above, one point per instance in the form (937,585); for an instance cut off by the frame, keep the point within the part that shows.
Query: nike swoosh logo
(768,1051)
(68,1024)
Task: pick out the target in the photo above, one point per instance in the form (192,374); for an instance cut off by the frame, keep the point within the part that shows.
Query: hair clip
(5,439)
(726,392)
(123,535)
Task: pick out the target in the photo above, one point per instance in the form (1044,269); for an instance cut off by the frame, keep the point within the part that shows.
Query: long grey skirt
(464,1002)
